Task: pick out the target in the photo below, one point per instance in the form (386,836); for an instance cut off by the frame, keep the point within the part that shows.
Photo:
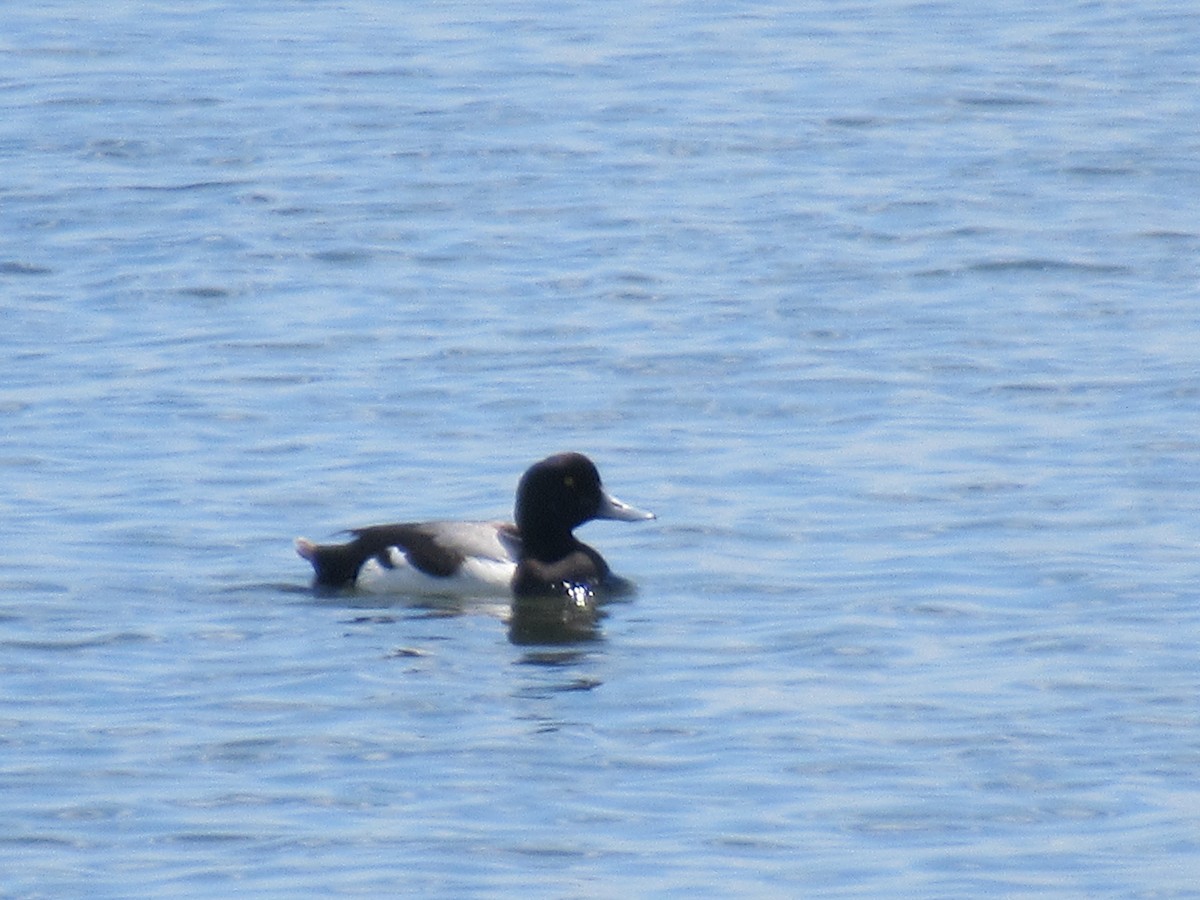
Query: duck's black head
(559,494)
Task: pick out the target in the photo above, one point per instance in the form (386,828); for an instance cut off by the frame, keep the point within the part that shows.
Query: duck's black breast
(581,567)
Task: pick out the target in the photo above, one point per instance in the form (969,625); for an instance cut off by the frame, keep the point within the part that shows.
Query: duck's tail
(334,565)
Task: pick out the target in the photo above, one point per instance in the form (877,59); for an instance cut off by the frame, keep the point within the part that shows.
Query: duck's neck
(546,545)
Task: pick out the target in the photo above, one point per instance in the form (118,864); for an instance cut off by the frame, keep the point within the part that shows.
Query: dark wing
(420,542)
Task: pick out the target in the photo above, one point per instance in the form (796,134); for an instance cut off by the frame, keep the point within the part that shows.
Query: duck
(536,555)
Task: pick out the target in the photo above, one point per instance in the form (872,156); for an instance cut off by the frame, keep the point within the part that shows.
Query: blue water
(889,311)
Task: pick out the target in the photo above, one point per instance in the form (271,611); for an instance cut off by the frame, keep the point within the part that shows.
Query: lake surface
(890,312)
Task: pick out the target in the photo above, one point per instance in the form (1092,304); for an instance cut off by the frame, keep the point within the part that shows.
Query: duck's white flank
(477,577)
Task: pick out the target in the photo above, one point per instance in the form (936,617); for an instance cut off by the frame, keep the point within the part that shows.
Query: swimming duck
(536,555)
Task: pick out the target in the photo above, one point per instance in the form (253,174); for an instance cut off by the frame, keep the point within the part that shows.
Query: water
(889,312)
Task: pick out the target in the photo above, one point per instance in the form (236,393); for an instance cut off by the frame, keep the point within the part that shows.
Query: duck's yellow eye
(569,481)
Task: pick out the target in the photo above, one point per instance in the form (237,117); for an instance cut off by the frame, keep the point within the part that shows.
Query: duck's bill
(612,508)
